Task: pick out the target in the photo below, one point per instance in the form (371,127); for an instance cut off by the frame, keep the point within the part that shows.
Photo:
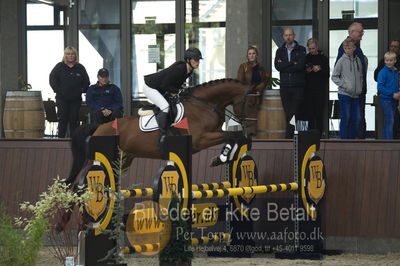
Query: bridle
(239,118)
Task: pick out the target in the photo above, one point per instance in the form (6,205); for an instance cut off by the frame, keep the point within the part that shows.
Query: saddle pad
(148,123)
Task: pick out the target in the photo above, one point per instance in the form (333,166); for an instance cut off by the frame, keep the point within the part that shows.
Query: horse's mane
(213,82)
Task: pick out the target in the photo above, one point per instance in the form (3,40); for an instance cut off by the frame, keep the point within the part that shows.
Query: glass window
(42,57)
(157,11)
(208,37)
(362,8)
(143,65)
(100,44)
(153,40)
(94,12)
(212,46)
(394,19)
(101,48)
(283,9)
(39,14)
(208,10)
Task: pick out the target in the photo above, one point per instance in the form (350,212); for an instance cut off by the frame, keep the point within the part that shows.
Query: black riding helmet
(193,53)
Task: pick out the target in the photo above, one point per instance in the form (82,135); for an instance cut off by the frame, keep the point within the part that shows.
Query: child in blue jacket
(388,91)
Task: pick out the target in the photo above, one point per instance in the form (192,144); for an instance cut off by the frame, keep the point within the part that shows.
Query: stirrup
(161,141)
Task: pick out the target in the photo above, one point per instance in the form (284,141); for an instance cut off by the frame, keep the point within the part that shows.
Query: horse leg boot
(162,125)
(223,157)
(230,149)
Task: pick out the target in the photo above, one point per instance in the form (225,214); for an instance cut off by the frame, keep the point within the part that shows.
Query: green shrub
(20,247)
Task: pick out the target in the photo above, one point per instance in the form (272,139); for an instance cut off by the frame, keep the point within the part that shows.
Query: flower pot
(23,115)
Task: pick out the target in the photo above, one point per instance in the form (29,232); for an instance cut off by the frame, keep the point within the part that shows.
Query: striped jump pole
(137,193)
(225,184)
(141,248)
(148,192)
(219,193)
(206,240)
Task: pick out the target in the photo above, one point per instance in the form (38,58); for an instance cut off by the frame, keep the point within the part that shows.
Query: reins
(226,112)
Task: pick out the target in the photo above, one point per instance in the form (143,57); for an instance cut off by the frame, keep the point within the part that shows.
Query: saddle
(147,116)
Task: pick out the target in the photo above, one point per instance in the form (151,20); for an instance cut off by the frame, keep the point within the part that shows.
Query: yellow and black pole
(239,191)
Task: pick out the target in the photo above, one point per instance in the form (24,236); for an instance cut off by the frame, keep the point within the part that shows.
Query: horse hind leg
(78,144)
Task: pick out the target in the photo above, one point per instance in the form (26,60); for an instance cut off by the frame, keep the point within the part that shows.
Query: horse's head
(246,108)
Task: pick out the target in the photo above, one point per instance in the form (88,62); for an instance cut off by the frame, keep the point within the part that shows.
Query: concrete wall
(243,28)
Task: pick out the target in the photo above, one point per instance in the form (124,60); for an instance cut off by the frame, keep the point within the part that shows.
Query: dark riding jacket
(69,82)
(100,98)
(292,73)
(170,79)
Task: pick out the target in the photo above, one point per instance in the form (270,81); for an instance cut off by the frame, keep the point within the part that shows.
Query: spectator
(347,74)
(69,80)
(316,90)
(395,48)
(290,61)
(388,91)
(252,71)
(356,32)
(104,99)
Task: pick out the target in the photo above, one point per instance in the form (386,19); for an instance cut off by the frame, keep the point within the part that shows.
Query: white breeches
(156,97)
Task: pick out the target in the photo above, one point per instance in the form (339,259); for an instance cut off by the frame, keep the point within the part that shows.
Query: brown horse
(205,110)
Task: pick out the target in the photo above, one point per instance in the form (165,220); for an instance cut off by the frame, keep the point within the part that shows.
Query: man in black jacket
(290,61)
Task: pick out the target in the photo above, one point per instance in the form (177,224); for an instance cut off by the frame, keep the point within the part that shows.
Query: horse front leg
(207,139)
(229,150)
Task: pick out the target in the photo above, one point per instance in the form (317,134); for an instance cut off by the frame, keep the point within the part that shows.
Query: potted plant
(271,82)
(21,240)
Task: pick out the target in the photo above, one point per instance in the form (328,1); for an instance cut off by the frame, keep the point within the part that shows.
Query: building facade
(134,38)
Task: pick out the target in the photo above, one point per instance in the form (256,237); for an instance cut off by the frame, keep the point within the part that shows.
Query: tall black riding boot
(162,124)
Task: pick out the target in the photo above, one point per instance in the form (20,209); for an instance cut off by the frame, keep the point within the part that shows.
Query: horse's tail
(78,148)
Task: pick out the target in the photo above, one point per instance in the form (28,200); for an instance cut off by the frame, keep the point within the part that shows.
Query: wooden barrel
(23,114)
(271,117)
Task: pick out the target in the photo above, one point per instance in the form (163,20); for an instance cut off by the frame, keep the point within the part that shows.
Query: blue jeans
(389,109)
(349,116)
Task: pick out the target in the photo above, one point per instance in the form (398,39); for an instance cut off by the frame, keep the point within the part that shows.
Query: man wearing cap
(104,99)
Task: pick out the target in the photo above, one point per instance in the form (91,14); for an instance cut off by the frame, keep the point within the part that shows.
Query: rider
(169,80)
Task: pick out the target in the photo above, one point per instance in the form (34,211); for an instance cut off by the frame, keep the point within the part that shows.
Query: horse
(204,107)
